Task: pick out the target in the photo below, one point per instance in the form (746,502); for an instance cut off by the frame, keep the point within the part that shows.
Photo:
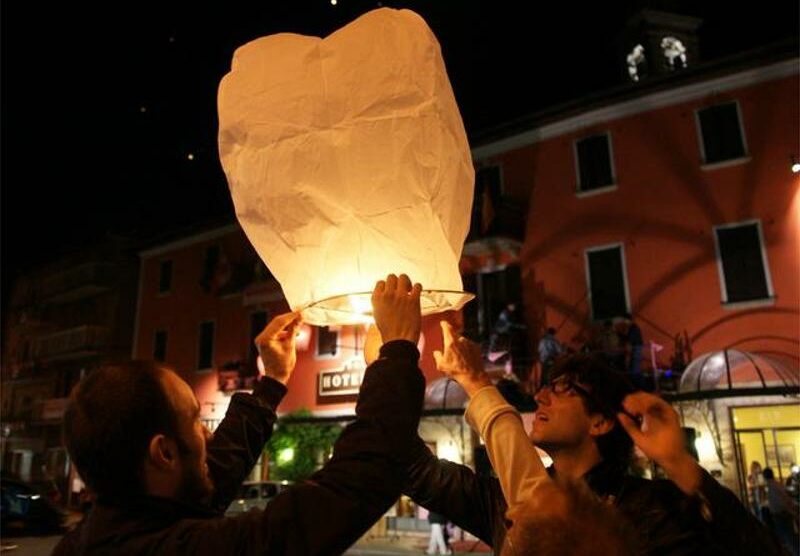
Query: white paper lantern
(347,160)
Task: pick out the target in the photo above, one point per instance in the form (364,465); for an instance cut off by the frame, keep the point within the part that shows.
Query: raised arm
(240,437)
(328,513)
(513,457)
(655,428)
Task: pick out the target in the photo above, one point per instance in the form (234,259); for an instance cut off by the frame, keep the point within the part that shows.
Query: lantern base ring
(356,308)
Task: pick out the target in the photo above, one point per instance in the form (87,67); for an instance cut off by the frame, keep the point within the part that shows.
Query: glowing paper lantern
(347,160)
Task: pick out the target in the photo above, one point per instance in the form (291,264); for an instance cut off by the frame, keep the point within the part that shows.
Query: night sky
(109,112)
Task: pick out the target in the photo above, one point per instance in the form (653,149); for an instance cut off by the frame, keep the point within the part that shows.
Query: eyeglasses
(566,386)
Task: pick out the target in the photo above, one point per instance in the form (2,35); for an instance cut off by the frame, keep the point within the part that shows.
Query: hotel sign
(343,381)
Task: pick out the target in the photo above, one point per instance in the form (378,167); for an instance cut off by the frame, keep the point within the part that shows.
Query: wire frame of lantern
(732,372)
(356,308)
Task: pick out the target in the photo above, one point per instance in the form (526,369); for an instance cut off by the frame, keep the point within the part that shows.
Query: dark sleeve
(329,512)
(240,438)
(472,502)
(729,525)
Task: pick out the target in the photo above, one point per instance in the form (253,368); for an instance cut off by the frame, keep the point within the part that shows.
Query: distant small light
(143,109)
(333,2)
(190,156)
(796,167)
(172,39)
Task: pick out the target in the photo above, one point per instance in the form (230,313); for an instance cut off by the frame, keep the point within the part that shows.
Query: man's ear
(600,424)
(162,452)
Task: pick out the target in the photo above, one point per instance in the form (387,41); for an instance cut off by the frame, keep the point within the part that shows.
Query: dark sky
(103,104)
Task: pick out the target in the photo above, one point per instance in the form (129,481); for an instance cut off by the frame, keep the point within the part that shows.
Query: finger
(380,287)
(636,403)
(416,291)
(278,324)
(447,333)
(391,284)
(630,426)
(438,356)
(404,283)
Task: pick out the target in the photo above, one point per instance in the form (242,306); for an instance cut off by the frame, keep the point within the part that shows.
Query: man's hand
(276,346)
(659,436)
(395,305)
(461,361)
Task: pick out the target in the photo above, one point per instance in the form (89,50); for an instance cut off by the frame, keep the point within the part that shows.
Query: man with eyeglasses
(587,421)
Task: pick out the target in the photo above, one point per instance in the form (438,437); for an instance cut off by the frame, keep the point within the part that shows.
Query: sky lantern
(347,160)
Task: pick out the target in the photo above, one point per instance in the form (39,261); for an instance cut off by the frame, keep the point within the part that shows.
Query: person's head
(755,467)
(133,428)
(551,331)
(564,517)
(579,408)
(768,474)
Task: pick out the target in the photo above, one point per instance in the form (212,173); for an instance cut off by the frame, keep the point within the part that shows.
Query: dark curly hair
(607,389)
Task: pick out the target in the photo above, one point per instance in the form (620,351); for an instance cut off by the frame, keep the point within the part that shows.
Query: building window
(160,346)
(205,348)
(721,133)
(607,284)
(595,165)
(327,342)
(165,277)
(258,321)
(210,263)
(743,268)
(485,203)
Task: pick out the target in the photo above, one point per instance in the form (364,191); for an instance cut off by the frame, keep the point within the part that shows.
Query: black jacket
(665,520)
(323,515)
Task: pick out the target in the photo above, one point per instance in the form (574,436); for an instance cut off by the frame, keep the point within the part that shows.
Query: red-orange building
(679,206)
(676,200)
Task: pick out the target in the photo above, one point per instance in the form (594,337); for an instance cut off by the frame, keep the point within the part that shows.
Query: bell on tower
(659,43)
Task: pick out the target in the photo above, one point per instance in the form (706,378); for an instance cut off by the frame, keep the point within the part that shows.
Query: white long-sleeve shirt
(514,458)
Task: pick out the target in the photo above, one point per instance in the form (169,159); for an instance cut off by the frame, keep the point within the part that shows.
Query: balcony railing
(77,282)
(75,342)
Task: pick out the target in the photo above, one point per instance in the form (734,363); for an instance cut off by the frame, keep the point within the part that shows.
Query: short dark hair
(551,330)
(768,473)
(608,388)
(111,416)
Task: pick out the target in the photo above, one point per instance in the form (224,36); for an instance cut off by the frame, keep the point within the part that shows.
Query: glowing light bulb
(286,455)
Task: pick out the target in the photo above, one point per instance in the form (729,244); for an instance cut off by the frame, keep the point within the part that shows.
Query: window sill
(592,192)
(204,371)
(753,303)
(725,163)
